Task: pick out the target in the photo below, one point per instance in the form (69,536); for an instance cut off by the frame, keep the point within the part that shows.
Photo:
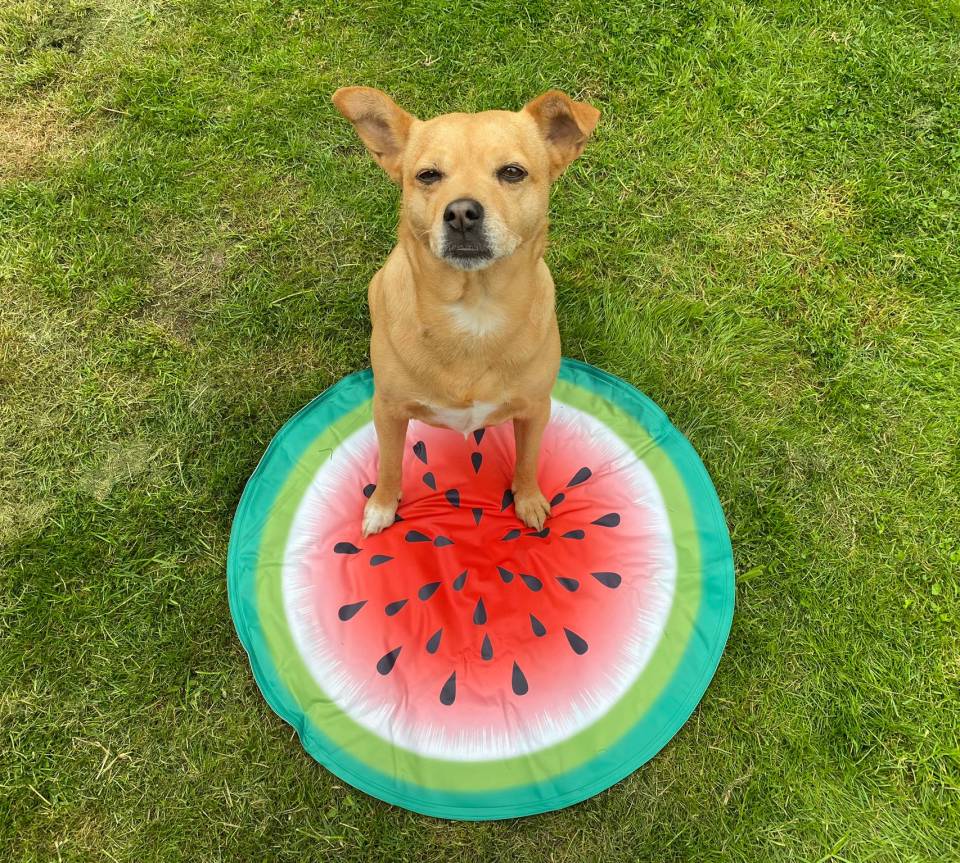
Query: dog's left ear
(565,126)
(382,125)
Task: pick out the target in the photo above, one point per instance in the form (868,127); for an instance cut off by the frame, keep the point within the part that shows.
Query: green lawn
(764,236)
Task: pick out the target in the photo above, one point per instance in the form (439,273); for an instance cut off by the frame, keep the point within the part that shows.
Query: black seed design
(531,581)
(428,590)
(392,608)
(518,682)
(386,662)
(607,579)
(416,536)
(480,613)
(478,435)
(611,519)
(348,611)
(449,692)
(397,518)
(576,642)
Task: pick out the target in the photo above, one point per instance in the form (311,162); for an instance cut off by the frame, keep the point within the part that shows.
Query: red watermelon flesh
(458,626)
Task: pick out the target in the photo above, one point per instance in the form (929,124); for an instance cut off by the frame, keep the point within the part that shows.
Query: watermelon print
(460,664)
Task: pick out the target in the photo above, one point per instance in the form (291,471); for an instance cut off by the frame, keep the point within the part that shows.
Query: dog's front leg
(391,434)
(531,506)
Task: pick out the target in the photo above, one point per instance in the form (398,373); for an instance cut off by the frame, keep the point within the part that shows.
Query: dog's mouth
(473,249)
(469,255)
(461,251)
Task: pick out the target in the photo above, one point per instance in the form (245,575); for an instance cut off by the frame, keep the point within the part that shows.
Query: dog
(464,320)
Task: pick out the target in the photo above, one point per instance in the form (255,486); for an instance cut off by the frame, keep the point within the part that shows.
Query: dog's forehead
(485,135)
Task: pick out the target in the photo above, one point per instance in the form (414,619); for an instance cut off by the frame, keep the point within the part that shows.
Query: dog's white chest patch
(479,319)
(464,420)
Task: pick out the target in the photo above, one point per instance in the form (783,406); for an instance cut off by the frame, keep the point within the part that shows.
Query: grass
(764,236)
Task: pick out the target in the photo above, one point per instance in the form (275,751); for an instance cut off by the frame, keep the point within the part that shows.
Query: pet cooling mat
(460,664)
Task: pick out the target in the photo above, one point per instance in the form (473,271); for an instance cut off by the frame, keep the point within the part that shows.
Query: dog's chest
(479,319)
(463,420)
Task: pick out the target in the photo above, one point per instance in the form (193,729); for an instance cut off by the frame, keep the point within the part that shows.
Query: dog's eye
(511,173)
(428,176)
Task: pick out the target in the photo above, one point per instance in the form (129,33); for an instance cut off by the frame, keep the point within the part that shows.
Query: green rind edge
(666,715)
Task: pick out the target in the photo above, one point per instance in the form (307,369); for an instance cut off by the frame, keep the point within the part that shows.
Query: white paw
(376,517)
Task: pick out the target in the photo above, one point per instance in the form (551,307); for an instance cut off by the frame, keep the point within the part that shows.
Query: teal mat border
(654,730)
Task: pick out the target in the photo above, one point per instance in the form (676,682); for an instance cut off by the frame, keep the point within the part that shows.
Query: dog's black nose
(463,215)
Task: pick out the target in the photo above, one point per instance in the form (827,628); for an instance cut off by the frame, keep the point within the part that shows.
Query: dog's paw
(377,516)
(531,508)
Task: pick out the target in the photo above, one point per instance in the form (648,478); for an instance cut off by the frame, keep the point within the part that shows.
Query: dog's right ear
(381,124)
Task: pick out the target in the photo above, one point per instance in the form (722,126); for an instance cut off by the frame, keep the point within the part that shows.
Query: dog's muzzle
(465,241)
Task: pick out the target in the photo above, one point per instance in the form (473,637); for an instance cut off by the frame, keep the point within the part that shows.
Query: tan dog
(464,324)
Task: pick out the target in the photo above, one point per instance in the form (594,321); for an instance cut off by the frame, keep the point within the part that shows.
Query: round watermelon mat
(460,664)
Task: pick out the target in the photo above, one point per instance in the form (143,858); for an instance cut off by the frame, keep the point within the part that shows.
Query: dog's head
(475,186)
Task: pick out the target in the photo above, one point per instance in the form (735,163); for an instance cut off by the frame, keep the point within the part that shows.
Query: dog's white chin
(498,238)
